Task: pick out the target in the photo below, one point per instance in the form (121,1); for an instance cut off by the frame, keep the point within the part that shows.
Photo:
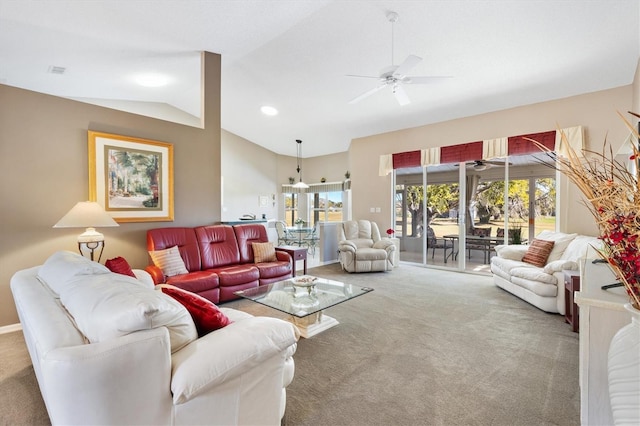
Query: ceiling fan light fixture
(479,167)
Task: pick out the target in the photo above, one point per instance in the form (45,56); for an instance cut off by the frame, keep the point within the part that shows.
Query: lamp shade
(86,214)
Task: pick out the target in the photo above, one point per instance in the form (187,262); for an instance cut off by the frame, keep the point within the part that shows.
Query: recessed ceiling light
(152,80)
(269,110)
(56,70)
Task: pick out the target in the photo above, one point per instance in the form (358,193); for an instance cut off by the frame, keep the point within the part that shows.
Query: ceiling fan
(395,76)
(480,165)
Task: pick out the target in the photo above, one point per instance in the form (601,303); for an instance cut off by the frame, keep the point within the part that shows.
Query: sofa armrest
(144,277)
(75,380)
(156,273)
(385,244)
(283,256)
(246,345)
(346,245)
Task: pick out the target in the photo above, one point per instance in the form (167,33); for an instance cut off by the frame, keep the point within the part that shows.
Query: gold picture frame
(131,178)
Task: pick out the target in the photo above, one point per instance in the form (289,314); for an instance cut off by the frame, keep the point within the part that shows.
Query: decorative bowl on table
(304,281)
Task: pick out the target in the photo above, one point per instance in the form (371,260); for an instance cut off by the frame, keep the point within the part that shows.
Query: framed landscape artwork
(131,178)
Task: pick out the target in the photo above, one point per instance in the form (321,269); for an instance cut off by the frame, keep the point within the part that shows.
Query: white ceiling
(295,55)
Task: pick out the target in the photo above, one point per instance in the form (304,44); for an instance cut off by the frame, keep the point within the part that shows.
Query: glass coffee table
(305,298)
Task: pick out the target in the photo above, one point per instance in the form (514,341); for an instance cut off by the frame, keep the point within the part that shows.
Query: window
(327,207)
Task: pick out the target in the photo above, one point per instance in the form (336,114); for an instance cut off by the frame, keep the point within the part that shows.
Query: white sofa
(362,249)
(542,286)
(138,359)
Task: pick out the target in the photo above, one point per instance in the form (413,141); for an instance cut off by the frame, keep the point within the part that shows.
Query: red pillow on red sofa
(206,315)
(119,265)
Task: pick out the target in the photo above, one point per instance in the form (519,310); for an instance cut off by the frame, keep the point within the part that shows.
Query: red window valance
(403,160)
(519,145)
(463,152)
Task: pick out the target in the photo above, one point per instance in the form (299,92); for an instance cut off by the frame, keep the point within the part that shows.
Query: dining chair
(484,247)
(434,243)
(284,236)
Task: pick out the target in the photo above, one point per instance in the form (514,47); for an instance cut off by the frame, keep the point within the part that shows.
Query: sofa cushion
(561,241)
(218,246)
(169,261)
(62,266)
(237,274)
(111,305)
(536,287)
(502,266)
(538,252)
(119,265)
(371,254)
(533,274)
(184,238)
(362,243)
(583,246)
(280,269)
(206,315)
(246,235)
(195,282)
(263,252)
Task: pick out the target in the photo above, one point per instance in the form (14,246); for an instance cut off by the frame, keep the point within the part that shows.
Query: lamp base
(91,248)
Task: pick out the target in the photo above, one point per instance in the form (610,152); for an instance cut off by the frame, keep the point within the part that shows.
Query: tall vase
(624,371)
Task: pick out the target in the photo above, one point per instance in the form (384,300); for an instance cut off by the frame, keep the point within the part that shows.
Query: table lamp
(90,215)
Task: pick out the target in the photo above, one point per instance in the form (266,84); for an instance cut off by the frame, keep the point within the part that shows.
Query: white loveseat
(542,286)
(109,349)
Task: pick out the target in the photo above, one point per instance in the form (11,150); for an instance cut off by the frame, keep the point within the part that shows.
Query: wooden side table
(571,285)
(296,253)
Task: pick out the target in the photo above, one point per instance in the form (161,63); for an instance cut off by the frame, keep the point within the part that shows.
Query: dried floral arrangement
(612,194)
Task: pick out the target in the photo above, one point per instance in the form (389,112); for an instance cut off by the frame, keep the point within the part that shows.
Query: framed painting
(131,178)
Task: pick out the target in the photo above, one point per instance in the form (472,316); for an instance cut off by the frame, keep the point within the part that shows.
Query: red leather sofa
(219,259)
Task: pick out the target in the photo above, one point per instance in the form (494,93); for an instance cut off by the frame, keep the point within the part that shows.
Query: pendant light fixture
(300,184)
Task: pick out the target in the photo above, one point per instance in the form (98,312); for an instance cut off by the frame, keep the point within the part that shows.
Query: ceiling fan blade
(362,76)
(410,62)
(423,79)
(367,94)
(401,95)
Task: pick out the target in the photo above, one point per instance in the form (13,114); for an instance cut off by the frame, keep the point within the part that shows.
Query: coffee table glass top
(303,296)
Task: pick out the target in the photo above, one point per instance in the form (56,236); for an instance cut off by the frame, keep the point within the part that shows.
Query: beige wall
(44,172)
(595,111)
(248,172)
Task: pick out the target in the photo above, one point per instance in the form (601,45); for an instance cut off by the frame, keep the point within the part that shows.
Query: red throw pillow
(538,252)
(119,265)
(206,315)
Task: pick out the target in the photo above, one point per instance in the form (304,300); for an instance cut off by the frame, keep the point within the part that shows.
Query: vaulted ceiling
(296,56)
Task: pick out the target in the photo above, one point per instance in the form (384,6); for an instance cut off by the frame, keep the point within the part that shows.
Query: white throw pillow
(169,261)
(561,241)
(112,305)
(512,252)
(559,265)
(62,266)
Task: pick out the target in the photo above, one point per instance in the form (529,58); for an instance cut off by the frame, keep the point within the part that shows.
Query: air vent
(56,70)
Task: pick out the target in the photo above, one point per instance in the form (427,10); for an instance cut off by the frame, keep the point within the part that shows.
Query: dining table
(301,232)
(485,243)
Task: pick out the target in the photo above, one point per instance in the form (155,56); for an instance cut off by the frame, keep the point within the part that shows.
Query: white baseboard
(10,328)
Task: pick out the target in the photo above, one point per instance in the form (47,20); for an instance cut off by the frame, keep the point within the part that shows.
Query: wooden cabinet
(571,285)
(602,314)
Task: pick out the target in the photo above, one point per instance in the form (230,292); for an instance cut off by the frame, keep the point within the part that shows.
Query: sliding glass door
(453,215)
